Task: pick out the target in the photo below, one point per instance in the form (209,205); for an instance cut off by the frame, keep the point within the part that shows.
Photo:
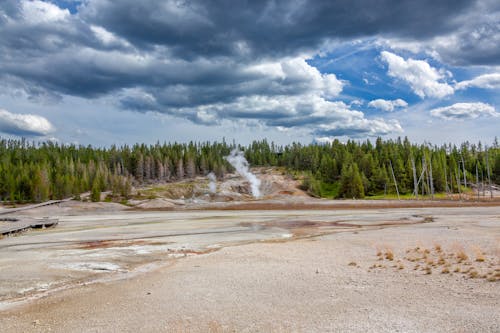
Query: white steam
(212,186)
(239,162)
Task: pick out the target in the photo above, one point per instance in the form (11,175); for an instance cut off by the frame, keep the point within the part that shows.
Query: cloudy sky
(111,72)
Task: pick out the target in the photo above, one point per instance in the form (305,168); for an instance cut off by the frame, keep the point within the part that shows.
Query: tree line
(357,169)
(38,171)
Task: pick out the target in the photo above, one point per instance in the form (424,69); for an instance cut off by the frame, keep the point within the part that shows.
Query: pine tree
(95,193)
(351,182)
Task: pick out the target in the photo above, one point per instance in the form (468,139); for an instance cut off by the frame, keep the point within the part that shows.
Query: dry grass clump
(493,276)
(441,261)
(352,263)
(479,254)
(461,255)
(473,274)
(389,255)
(477,266)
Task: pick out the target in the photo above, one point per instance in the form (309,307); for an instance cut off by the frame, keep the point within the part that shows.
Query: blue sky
(107,72)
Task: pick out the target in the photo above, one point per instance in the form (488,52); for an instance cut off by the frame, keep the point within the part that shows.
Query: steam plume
(239,162)
(212,186)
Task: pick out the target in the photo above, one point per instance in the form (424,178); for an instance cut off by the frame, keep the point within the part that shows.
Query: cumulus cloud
(209,62)
(36,12)
(486,81)
(465,111)
(360,128)
(388,105)
(307,111)
(194,44)
(323,140)
(24,124)
(107,38)
(278,93)
(424,80)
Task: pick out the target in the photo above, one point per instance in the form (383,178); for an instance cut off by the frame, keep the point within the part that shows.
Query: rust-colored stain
(300,224)
(340,205)
(308,228)
(102,244)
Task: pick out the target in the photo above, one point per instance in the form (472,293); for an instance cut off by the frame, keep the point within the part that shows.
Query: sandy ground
(256,271)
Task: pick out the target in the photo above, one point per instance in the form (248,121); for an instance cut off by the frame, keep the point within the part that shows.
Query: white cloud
(487,81)
(356,102)
(465,111)
(24,124)
(361,127)
(331,85)
(297,72)
(324,140)
(308,111)
(36,12)
(423,79)
(388,105)
(106,37)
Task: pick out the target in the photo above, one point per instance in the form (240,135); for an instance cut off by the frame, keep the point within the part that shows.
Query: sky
(106,72)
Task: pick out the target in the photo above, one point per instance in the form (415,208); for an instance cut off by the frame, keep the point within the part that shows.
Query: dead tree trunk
(394,178)
(415,190)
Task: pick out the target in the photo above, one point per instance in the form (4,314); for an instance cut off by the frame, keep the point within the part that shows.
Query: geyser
(212,186)
(239,162)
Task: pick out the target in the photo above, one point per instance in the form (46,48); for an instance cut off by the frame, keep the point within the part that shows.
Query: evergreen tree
(351,182)
(95,193)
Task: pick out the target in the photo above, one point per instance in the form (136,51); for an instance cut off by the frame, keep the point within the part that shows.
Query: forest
(39,171)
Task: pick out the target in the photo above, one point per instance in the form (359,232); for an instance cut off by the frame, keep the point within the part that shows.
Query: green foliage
(311,185)
(95,192)
(330,190)
(34,172)
(496,169)
(351,182)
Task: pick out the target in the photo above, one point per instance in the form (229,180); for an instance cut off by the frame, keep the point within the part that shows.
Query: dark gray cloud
(475,39)
(212,60)
(196,44)
(227,27)
(479,45)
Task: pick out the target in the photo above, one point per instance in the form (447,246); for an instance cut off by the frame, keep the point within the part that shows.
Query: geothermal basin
(254,270)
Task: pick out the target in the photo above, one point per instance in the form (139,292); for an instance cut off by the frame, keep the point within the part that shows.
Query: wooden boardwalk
(14,224)
(11,226)
(19,209)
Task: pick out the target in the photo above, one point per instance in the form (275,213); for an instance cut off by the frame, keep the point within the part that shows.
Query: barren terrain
(225,262)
